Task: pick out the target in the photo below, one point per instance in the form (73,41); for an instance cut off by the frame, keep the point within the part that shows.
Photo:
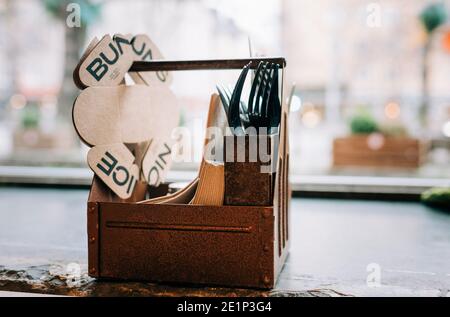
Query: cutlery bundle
(255,126)
(262,112)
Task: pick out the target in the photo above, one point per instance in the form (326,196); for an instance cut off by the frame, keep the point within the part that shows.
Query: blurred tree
(75,37)
(432,17)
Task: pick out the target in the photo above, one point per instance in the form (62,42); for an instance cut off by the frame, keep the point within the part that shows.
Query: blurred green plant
(437,197)
(432,16)
(90,10)
(30,117)
(363,123)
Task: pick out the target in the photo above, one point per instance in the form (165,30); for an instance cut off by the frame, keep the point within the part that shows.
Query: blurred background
(372,78)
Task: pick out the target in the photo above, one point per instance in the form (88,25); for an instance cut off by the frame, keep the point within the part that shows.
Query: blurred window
(371,95)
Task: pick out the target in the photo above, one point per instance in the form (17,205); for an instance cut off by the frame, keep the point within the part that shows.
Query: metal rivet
(266,213)
(266,280)
(92,239)
(266,248)
(93,270)
(91,209)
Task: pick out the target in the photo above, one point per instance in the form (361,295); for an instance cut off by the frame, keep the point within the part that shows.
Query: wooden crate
(392,152)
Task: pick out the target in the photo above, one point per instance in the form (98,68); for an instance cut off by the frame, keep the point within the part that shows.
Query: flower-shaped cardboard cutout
(128,127)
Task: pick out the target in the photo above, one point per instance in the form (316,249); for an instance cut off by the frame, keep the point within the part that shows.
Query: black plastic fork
(274,106)
(234,116)
(259,100)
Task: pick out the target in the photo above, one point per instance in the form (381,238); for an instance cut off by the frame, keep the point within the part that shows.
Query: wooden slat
(394,152)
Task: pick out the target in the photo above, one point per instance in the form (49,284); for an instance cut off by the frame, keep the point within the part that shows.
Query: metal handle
(212,64)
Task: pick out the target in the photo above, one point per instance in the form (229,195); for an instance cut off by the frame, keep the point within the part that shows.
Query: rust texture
(189,244)
(245,184)
(92,229)
(183,244)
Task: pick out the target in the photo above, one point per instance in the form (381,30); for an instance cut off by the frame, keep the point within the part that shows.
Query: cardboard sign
(127,114)
(140,117)
(76,71)
(139,151)
(147,113)
(106,64)
(95,119)
(113,164)
(145,50)
(157,160)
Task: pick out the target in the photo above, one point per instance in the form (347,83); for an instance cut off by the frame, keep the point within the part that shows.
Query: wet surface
(401,248)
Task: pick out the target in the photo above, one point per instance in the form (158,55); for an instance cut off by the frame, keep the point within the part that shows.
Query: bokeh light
(296,103)
(17,101)
(375,141)
(392,110)
(311,117)
(446,129)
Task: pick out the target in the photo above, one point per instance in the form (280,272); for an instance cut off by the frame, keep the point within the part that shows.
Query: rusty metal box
(231,245)
(237,246)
